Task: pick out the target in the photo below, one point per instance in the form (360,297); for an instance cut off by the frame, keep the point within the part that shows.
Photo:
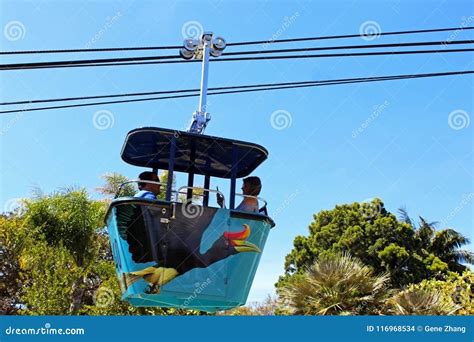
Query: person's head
(149,176)
(251,186)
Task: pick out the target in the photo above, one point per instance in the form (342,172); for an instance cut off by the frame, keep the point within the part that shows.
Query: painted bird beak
(245,246)
(238,240)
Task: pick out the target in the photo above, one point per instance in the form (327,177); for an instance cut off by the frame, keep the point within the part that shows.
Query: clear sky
(393,140)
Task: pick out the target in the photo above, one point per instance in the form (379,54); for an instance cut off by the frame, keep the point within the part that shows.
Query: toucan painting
(175,249)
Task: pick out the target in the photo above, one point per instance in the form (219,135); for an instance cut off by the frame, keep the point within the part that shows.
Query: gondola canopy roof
(202,154)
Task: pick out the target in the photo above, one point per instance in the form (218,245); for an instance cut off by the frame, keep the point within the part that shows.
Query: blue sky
(341,144)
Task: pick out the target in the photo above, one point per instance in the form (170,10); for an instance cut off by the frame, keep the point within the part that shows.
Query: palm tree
(420,302)
(337,284)
(113,181)
(445,244)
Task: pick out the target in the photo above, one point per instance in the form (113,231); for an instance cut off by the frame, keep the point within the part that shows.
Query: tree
(52,279)
(445,244)
(10,243)
(113,182)
(67,217)
(373,235)
(53,241)
(59,260)
(334,285)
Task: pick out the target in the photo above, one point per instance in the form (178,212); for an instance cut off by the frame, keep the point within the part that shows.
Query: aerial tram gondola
(173,252)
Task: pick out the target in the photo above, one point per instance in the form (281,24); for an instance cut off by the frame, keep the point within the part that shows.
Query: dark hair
(255,185)
(146,175)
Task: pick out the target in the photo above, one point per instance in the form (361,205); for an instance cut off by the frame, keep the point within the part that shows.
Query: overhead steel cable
(164,92)
(139,48)
(255,88)
(85,62)
(356,54)
(270,41)
(152,60)
(174,91)
(291,40)
(348,47)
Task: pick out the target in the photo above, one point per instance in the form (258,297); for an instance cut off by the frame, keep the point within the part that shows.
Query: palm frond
(420,302)
(403,216)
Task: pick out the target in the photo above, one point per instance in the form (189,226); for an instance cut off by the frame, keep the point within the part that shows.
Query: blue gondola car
(176,253)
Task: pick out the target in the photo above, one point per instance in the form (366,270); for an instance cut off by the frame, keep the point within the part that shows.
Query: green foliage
(164,179)
(68,218)
(11,241)
(418,301)
(334,285)
(113,181)
(266,308)
(455,292)
(59,260)
(51,273)
(379,240)
(56,259)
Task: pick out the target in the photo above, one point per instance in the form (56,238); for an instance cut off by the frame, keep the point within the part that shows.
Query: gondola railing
(184,190)
(136,181)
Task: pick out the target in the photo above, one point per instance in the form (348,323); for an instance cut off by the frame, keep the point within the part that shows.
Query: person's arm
(219,198)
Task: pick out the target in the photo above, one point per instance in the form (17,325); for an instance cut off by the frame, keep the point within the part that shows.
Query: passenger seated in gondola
(148,190)
(251,187)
